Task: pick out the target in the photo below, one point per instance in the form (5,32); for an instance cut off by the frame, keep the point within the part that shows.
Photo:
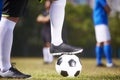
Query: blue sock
(98,51)
(108,53)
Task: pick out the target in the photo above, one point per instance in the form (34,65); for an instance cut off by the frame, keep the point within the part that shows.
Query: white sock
(6,39)
(57,13)
(109,64)
(46,55)
(50,56)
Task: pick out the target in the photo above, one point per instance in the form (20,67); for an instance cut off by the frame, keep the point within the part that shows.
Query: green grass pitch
(41,71)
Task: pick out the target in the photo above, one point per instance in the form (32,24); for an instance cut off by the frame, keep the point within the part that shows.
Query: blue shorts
(0,8)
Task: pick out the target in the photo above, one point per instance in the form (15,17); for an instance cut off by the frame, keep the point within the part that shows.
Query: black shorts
(46,34)
(14,8)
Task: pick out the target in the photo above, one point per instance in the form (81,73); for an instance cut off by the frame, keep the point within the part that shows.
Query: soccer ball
(68,66)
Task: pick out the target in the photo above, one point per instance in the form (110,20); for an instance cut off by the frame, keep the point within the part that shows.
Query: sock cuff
(59,2)
(46,48)
(8,23)
(107,45)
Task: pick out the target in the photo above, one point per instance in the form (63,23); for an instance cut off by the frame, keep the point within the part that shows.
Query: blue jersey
(99,14)
(0,8)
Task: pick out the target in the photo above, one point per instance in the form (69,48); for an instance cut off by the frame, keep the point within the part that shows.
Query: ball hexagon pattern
(68,66)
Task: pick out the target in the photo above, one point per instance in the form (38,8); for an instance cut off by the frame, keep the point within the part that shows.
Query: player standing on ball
(12,10)
(57,13)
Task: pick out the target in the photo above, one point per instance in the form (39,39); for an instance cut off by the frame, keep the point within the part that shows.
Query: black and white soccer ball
(68,66)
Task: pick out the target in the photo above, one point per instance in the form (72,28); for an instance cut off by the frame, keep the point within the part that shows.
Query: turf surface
(41,71)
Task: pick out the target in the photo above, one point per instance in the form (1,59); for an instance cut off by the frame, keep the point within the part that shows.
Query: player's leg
(9,19)
(57,13)
(48,58)
(46,55)
(108,54)
(99,51)
(99,45)
(107,46)
(6,36)
(103,35)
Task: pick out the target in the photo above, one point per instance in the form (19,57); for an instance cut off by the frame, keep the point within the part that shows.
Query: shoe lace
(13,68)
(13,64)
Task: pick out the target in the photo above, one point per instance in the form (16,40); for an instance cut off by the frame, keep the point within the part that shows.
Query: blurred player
(103,38)
(45,33)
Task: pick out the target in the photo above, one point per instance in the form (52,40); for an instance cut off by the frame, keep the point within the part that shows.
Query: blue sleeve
(0,8)
(103,2)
